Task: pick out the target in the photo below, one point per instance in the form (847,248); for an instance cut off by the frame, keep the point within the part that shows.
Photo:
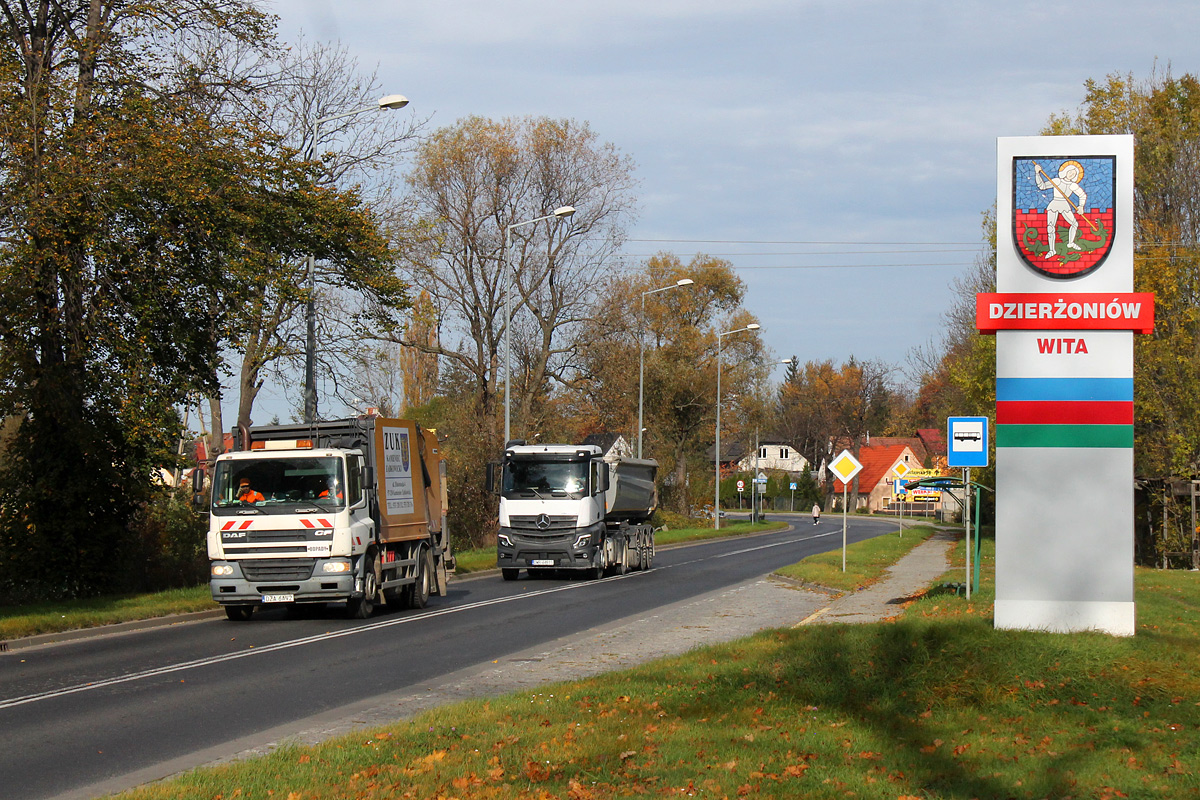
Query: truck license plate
(278,598)
(542,562)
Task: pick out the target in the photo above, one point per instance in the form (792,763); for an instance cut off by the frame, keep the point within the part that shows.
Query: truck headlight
(583,541)
(503,539)
(335,566)
(222,570)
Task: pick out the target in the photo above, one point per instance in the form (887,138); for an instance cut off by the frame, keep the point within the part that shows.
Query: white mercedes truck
(567,507)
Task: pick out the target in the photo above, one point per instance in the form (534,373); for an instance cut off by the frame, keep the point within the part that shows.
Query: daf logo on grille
(543,521)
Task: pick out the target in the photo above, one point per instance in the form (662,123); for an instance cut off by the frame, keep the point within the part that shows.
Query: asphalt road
(93,716)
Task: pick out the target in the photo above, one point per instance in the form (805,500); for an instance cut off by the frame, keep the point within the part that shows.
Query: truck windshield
(279,484)
(555,478)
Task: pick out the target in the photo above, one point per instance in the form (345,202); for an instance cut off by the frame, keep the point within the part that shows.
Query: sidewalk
(907,579)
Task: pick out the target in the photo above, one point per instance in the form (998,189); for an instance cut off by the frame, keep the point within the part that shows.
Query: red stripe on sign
(246,524)
(229,525)
(325,523)
(1056,412)
(307,523)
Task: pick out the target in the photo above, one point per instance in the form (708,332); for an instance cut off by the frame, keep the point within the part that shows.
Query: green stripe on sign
(1064,436)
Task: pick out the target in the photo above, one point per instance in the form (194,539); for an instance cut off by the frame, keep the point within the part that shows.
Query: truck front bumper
(519,550)
(283,581)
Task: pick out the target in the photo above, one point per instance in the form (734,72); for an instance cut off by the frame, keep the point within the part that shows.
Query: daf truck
(568,507)
(349,511)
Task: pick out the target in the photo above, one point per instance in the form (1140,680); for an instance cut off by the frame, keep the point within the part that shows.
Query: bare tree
(308,96)
(471,183)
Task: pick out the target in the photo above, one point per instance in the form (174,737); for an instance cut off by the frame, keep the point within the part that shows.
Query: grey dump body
(632,495)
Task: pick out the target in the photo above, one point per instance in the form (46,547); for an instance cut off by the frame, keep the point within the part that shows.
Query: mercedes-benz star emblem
(543,521)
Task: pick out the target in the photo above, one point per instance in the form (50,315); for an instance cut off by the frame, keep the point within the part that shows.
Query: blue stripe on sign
(1065,389)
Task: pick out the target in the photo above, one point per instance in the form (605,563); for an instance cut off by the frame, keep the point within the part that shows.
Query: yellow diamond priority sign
(845,466)
(901,469)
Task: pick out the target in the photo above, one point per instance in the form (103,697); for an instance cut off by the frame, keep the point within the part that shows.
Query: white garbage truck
(350,511)
(568,507)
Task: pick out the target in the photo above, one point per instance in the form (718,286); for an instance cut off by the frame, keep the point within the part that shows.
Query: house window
(762,452)
(783,453)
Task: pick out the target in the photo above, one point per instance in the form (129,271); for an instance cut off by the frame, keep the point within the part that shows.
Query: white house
(774,455)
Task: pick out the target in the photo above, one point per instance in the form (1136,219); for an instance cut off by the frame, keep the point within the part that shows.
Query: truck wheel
(239,613)
(509,573)
(597,572)
(622,566)
(363,607)
(418,593)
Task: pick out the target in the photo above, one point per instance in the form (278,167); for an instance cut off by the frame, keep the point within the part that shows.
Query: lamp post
(753,326)
(310,312)
(755,495)
(558,213)
(642,350)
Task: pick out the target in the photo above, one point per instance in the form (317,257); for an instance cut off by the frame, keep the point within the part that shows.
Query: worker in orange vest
(246,494)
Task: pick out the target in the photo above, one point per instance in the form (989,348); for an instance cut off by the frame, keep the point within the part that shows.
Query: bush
(171,537)
(672,521)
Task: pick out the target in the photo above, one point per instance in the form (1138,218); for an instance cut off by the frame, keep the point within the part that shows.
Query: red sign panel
(1119,311)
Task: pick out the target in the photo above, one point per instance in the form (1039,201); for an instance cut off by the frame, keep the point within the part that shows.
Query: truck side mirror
(494,473)
(198,498)
(367,475)
(604,478)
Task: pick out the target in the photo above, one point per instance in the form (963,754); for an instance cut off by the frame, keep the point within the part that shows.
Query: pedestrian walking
(816,513)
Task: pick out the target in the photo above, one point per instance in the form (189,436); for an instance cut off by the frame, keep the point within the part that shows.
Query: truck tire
(363,607)
(418,593)
(597,572)
(622,565)
(509,573)
(239,613)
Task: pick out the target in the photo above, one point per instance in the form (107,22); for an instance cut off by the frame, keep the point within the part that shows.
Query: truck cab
(299,537)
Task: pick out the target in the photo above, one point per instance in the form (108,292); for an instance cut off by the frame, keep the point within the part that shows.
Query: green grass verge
(19,621)
(936,705)
(866,561)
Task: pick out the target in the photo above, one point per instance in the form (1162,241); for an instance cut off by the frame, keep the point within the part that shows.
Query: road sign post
(966,447)
(844,467)
(899,470)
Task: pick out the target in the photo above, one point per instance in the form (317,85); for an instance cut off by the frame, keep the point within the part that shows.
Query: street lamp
(310,313)
(642,350)
(753,326)
(754,492)
(558,213)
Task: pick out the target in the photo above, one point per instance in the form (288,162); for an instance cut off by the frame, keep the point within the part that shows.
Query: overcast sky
(839,154)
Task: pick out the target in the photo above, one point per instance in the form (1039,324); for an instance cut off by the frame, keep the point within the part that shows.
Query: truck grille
(278,536)
(294,569)
(541,524)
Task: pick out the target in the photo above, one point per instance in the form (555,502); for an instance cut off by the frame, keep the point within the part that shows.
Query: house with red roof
(876,476)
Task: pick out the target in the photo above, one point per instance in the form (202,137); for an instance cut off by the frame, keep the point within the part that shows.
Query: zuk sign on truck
(566,507)
(350,511)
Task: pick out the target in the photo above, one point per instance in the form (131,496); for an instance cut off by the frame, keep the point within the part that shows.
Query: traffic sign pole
(967,523)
